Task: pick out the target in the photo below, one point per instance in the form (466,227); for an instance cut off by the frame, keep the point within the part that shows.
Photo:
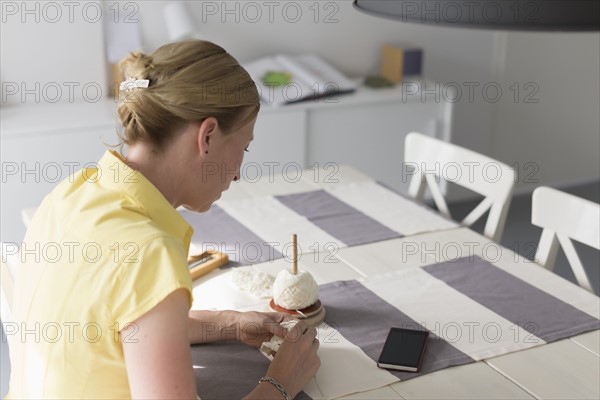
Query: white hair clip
(133,83)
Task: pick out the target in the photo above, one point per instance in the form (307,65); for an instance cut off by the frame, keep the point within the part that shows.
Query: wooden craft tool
(201,264)
(295,253)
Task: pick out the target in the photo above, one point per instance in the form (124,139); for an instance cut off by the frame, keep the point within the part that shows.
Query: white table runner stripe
(274,223)
(344,362)
(390,209)
(467,325)
(471,243)
(538,312)
(257,229)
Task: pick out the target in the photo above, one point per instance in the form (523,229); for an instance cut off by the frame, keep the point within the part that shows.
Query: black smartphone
(403,349)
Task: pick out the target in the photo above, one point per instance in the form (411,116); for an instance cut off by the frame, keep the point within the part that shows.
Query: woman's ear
(207,132)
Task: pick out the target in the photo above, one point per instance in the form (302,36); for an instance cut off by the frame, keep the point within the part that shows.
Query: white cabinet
(365,129)
(368,137)
(42,144)
(279,142)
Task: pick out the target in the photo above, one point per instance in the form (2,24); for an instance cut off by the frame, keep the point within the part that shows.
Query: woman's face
(221,165)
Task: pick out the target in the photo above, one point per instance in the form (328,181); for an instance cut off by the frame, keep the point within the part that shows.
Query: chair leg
(575,262)
(547,249)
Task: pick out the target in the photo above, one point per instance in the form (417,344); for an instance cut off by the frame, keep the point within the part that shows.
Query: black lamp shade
(541,15)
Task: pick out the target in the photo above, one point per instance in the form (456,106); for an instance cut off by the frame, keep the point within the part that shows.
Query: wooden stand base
(314,314)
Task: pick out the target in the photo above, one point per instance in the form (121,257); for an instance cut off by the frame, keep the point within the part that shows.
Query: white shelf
(49,118)
(22,119)
(363,95)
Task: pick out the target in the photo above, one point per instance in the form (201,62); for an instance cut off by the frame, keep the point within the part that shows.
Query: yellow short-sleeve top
(103,248)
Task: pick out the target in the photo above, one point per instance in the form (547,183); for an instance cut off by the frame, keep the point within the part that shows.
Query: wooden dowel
(295,250)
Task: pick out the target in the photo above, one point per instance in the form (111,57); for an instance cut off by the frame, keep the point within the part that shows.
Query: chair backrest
(433,159)
(564,217)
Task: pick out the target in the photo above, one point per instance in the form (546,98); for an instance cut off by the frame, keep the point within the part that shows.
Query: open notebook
(307,77)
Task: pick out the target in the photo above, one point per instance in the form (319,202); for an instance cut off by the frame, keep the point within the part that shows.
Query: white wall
(50,52)
(351,41)
(352,44)
(564,66)
(555,141)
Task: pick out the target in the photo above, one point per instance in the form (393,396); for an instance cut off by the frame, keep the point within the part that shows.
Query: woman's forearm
(213,326)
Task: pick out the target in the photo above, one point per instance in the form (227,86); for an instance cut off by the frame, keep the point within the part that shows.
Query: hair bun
(190,81)
(136,65)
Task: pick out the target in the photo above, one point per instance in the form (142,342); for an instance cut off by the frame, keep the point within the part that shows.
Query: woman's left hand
(255,327)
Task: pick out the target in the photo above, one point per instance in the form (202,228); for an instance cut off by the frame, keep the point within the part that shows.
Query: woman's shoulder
(105,219)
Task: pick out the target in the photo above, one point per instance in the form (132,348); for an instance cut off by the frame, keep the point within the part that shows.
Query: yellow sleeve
(158,269)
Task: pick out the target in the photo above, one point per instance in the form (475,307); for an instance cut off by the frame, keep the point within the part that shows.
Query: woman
(103,299)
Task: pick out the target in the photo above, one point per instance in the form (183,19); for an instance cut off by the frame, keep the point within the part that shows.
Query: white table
(565,369)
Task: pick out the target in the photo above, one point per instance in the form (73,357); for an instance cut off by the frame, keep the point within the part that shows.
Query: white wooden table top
(566,369)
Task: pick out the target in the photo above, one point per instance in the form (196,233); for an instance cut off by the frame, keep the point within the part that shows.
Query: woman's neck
(158,169)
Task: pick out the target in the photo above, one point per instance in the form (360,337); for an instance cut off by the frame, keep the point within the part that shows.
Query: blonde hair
(189,82)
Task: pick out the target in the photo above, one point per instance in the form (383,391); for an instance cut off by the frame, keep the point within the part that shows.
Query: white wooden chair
(564,217)
(434,159)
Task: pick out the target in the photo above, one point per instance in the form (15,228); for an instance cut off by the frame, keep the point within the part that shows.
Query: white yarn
(295,292)
(257,283)
(272,346)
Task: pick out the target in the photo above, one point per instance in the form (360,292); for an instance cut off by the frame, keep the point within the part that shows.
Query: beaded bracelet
(278,385)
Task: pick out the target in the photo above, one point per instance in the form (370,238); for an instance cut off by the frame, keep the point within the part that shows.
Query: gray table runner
(343,222)
(229,370)
(365,319)
(217,229)
(532,309)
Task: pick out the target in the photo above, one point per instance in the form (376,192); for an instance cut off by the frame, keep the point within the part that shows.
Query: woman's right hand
(296,361)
